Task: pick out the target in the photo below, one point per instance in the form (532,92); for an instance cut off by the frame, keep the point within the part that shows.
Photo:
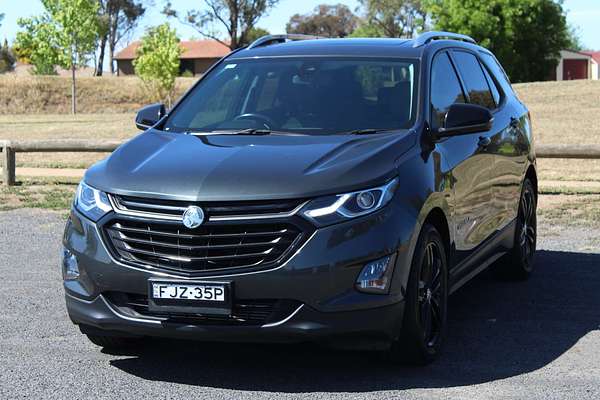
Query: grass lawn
(65,126)
(49,194)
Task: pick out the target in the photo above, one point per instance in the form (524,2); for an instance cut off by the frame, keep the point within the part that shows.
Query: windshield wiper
(368,131)
(252,131)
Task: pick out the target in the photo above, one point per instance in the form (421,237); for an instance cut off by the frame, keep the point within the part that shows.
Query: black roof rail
(427,37)
(274,39)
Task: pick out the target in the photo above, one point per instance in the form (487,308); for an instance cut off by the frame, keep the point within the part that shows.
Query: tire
(425,314)
(518,263)
(112,342)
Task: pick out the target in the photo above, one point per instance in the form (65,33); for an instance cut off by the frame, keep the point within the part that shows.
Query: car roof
(364,47)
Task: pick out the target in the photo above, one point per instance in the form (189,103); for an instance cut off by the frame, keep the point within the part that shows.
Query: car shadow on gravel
(496,330)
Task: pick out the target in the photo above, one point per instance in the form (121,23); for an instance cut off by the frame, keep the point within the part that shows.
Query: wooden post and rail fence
(10,148)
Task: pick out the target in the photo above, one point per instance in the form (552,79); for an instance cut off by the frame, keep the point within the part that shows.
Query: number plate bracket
(189,306)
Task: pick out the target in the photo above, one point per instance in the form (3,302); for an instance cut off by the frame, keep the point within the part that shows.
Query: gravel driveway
(535,339)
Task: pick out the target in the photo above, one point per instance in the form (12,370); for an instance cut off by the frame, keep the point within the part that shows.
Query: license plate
(185,297)
(188,292)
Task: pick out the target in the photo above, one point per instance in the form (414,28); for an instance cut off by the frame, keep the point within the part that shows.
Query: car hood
(241,167)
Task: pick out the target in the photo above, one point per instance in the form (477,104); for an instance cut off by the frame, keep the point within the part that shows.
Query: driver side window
(445,89)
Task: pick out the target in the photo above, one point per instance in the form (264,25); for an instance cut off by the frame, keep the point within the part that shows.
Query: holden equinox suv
(309,189)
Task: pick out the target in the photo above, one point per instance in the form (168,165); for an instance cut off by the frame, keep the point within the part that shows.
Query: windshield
(307,96)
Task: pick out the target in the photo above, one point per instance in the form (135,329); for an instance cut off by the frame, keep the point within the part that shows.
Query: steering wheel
(266,121)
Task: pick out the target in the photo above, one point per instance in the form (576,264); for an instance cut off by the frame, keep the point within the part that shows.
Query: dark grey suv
(306,189)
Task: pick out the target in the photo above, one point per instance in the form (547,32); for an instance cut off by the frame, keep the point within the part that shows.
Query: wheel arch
(437,218)
(531,173)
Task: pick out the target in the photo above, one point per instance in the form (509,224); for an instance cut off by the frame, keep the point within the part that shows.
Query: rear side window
(474,79)
(493,87)
(445,89)
(496,70)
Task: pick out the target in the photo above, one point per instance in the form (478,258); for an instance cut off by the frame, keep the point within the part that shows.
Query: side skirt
(489,252)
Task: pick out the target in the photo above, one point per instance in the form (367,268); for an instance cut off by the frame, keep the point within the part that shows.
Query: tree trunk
(111,51)
(100,62)
(73,91)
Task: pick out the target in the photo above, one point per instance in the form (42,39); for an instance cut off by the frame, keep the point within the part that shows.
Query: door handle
(484,141)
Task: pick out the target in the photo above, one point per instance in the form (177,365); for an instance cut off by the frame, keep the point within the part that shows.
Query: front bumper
(367,327)
(320,277)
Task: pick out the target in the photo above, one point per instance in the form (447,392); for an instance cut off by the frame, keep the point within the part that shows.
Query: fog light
(69,265)
(375,276)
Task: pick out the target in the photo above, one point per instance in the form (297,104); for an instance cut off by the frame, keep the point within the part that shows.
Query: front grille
(213,209)
(210,247)
(243,312)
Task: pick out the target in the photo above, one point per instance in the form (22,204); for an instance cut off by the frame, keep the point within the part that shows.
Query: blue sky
(583,14)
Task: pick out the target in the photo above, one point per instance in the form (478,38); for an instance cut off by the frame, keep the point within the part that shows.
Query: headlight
(337,208)
(93,203)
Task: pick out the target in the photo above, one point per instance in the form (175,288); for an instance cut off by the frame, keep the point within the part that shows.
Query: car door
(512,144)
(501,148)
(467,163)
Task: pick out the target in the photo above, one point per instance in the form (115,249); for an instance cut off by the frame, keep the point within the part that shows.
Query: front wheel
(425,315)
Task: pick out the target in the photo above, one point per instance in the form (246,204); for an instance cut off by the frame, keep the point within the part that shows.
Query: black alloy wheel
(430,294)
(426,302)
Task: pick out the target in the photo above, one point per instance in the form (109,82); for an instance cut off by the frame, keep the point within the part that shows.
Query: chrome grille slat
(180,246)
(216,211)
(192,258)
(119,227)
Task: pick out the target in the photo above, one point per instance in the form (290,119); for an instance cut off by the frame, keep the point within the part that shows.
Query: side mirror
(149,115)
(466,118)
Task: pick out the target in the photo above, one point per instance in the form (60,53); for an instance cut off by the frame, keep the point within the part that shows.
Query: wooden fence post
(8,166)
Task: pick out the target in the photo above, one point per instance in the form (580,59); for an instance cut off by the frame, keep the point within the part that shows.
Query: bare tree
(238,17)
(118,18)
(326,20)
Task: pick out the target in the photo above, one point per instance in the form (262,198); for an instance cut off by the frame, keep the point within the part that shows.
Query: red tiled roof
(191,49)
(595,55)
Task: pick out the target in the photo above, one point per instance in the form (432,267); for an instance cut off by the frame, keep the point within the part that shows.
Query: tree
(525,35)
(238,17)
(35,45)
(256,33)
(157,62)
(326,20)
(392,18)
(66,34)
(117,19)
(7,59)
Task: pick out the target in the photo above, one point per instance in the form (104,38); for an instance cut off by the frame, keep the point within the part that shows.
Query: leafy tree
(574,39)
(1,18)
(7,59)
(66,34)
(35,45)
(157,62)
(238,17)
(326,20)
(256,33)
(525,35)
(392,18)
(117,19)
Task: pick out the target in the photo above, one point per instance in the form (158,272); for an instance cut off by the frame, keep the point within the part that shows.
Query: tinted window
(475,82)
(312,96)
(496,70)
(492,85)
(445,89)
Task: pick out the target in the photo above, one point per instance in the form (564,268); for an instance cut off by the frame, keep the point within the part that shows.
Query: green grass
(38,193)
